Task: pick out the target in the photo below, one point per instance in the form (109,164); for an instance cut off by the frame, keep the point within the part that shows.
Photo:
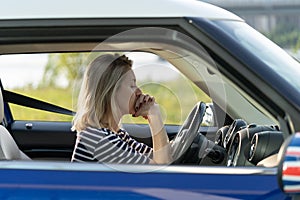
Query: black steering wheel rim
(188,132)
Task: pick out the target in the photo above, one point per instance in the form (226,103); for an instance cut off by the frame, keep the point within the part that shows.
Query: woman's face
(127,93)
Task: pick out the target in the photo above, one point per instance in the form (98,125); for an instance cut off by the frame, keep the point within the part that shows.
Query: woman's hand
(144,103)
(146,106)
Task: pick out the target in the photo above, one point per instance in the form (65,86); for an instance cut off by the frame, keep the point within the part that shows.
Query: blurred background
(279,20)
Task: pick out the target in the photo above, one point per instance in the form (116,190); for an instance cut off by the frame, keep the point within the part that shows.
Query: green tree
(64,65)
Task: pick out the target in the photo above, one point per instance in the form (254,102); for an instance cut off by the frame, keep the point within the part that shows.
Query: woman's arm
(146,107)
(161,145)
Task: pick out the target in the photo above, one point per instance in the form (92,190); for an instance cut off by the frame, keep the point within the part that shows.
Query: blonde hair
(97,91)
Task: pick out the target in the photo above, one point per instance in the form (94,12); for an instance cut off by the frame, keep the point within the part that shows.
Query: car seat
(8,147)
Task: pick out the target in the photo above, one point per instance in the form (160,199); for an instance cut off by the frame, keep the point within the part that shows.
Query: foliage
(286,36)
(57,96)
(168,95)
(68,65)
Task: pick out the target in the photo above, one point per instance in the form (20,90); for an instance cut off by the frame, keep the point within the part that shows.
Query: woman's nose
(138,92)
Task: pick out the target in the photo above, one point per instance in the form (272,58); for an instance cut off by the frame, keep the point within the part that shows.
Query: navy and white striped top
(105,146)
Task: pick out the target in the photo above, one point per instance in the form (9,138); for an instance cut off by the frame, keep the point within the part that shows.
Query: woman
(109,92)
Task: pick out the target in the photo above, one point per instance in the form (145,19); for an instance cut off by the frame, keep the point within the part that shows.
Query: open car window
(26,74)
(55,78)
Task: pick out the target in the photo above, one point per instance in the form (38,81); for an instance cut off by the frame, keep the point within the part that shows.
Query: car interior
(240,131)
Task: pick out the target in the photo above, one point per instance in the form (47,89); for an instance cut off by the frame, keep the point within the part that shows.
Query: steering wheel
(188,132)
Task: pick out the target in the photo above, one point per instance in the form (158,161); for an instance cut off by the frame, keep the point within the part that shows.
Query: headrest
(1,107)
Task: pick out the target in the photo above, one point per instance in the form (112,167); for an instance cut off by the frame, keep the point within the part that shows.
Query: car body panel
(159,182)
(113,9)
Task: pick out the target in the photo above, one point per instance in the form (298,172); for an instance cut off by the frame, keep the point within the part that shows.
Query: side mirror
(289,166)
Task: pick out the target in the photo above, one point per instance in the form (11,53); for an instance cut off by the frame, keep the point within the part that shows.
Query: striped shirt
(105,146)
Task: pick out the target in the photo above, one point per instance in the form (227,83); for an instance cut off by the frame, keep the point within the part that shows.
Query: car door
(54,140)
(95,181)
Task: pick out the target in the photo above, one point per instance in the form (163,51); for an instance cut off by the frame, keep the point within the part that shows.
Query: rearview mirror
(289,166)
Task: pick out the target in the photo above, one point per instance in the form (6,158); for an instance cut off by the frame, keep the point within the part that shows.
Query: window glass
(275,57)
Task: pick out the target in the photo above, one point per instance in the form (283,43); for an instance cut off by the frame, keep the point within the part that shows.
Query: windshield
(272,55)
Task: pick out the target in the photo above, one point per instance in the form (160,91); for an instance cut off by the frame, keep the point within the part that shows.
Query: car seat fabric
(8,147)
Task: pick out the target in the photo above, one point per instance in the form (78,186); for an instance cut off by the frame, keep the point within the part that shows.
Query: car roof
(36,9)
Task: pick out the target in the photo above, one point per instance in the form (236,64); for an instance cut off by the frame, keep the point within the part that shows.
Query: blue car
(229,96)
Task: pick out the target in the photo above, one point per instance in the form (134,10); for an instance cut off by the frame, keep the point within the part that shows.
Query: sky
(18,70)
(24,69)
